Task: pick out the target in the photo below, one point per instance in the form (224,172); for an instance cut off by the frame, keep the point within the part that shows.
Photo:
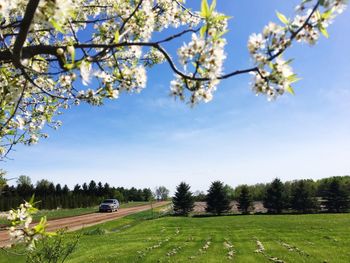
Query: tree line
(299,196)
(53,196)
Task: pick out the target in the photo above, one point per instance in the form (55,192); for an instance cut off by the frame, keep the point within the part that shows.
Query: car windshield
(108,201)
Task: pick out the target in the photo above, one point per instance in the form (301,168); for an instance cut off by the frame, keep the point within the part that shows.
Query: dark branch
(23,32)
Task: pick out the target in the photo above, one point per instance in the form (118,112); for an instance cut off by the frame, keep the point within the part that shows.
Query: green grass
(312,238)
(61,213)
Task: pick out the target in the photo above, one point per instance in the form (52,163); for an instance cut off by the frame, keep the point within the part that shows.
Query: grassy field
(61,213)
(289,238)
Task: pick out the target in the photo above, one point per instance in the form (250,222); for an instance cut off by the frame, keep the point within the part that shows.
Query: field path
(78,222)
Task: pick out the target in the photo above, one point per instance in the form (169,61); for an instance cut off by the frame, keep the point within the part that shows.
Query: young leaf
(282,18)
(205,12)
(203,30)
(212,6)
(293,78)
(326,15)
(290,90)
(116,37)
(57,26)
(324,31)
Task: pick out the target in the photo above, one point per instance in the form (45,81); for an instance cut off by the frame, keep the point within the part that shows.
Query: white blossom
(85,72)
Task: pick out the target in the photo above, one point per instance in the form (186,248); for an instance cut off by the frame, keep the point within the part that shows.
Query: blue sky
(148,139)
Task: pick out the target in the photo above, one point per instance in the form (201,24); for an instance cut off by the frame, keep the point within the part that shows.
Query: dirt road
(78,222)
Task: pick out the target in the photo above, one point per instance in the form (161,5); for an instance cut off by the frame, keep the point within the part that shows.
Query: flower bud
(60,51)
(70,49)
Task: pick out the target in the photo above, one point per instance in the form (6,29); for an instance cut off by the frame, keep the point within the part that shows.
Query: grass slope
(288,238)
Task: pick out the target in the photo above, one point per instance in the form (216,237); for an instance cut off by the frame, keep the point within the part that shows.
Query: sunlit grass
(290,238)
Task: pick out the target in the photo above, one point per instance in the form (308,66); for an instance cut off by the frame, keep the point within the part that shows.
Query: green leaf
(290,90)
(116,37)
(212,6)
(57,26)
(73,55)
(205,11)
(220,34)
(203,30)
(326,15)
(324,31)
(318,15)
(221,17)
(40,58)
(69,66)
(31,200)
(293,78)
(289,61)
(306,1)
(282,18)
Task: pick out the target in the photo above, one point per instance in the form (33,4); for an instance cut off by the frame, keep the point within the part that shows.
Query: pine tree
(183,200)
(303,197)
(275,199)
(336,197)
(217,199)
(244,200)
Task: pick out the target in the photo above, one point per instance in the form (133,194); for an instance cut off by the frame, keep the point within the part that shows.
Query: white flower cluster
(11,7)
(56,12)
(154,56)
(21,230)
(273,75)
(205,55)
(142,23)
(173,14)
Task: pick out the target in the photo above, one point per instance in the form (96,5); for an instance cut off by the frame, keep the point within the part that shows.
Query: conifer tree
(217,199)
(303,197)
(183,200)
(275,199)
(336,198)
(244,200)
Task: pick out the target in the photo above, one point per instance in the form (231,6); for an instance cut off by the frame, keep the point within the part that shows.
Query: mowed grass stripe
(317,238)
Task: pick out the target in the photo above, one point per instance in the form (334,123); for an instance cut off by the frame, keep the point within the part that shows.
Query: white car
(109,205)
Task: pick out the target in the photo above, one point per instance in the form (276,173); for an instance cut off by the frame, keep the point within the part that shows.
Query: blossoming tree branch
(57,53)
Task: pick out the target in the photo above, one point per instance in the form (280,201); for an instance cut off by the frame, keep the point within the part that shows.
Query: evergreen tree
(76,189)
(275,199)
(100,189)
(65,189)
(199,196)
(85,188)
(147,194)
(106,190)
(24,186)
(58,189)
(183,200)
(303,197)
(92,188)
(133,194)
(336,198)
(244,200)
(217,199)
